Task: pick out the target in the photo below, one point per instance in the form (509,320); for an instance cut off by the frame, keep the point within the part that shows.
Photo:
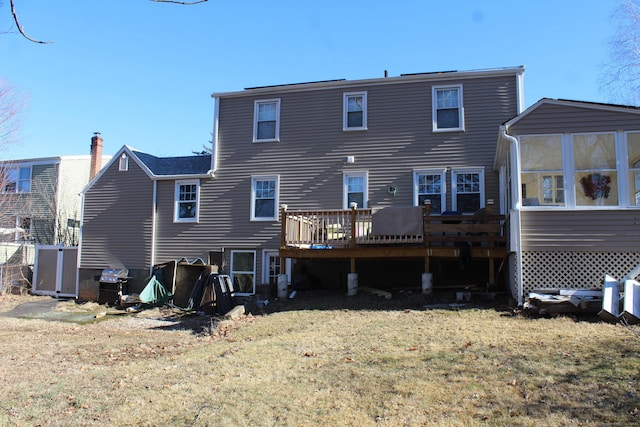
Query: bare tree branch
(31,39)
(186,3)
(20,29)
(620,76)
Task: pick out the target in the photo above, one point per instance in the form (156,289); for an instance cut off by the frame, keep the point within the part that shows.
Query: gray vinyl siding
(310,158)
(552,118)
(592,230)
(117,220)
(42,202)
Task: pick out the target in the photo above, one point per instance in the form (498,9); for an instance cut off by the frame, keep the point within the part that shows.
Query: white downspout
(214,142)
(153,225)
(514,211)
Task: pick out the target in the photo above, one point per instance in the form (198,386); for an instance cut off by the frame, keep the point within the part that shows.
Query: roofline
(403,78)
(573,103)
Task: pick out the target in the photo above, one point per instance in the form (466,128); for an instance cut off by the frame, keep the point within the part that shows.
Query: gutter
(515,210)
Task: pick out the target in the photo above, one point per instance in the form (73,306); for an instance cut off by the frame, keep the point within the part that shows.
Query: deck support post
(427,283)
(492,264)
(352,284)
(426,233)
(283,225)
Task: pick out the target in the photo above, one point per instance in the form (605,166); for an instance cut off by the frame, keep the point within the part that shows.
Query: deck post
(352,237)
(283,225)
(492,264)
(425,233)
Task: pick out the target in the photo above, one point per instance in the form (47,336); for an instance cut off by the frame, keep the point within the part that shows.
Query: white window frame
(256,106)
(11,175)
(345,187)
(434,108)
(254,180)
(443,190)
(454,190)
(625,171)
(345,111)
(123,163)
(177,201)
(248,272)
(548,172)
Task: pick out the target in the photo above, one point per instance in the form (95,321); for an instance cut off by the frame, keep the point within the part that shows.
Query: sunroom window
(542,176)
(595,175)
(633,152)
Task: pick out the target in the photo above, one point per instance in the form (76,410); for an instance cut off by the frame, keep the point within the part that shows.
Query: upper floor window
(266,123)
(355,111)
(186,201)
(429,185)
(355,189)
(542,174)
(264,198)
(16,180)
(123,164)
(467,192)
(448,113)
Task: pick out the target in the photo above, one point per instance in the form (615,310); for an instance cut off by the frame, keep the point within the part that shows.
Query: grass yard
(319,361)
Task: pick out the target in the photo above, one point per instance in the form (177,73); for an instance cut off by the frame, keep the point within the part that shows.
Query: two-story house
(353,161)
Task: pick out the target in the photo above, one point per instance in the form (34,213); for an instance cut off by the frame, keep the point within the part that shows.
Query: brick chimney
(96,154)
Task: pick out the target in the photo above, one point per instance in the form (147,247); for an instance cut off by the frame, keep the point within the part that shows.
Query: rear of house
(377,143)
(574,199)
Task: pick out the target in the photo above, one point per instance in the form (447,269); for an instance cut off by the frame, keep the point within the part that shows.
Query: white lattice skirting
(574,270)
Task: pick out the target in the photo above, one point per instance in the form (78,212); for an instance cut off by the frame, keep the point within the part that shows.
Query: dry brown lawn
(318,361)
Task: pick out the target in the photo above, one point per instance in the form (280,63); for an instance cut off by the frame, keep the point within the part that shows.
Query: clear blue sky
(142,73)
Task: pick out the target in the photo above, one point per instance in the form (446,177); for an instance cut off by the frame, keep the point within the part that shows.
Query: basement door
(55,271)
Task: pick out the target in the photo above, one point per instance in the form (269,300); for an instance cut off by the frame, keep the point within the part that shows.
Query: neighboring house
(572,174)
(391,142)
(40,199)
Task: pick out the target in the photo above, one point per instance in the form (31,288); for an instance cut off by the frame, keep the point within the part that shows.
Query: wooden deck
(340,234)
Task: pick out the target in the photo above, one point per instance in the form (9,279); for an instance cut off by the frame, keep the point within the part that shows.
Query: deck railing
(327,229)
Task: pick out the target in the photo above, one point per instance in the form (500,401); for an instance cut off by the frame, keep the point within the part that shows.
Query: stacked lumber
(564,301)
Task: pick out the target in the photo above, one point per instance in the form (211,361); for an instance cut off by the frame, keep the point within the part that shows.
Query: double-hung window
(264,198)
(467,190)
(16,180)
(542,175)
(186,201)
(355,189)
(448,113)
(430,185)
(355,111)
(266,123)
